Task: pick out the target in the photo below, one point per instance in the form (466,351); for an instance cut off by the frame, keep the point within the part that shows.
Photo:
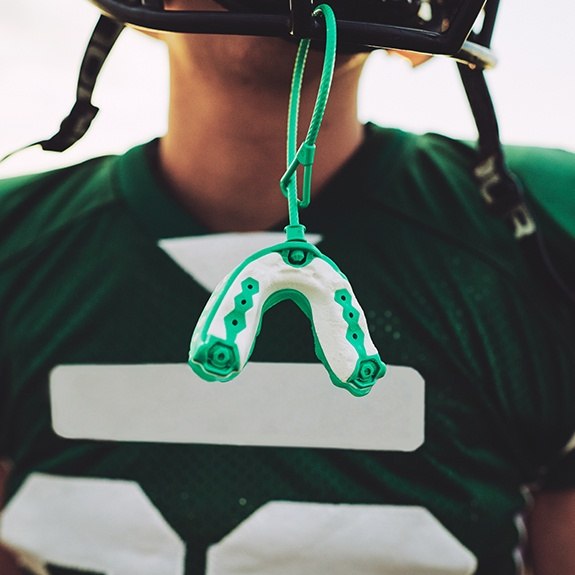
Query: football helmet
(461,29)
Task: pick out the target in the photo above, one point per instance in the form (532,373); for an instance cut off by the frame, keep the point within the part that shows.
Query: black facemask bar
(299,22)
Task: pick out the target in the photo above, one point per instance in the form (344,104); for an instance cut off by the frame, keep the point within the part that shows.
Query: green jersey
(101,268)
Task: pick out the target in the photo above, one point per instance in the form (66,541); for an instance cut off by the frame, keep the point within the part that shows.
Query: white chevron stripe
(210,258)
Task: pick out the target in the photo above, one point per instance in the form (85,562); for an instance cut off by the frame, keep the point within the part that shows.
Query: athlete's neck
(224,152)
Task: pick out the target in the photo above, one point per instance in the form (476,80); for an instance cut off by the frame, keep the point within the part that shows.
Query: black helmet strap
(76,124)
(500,189)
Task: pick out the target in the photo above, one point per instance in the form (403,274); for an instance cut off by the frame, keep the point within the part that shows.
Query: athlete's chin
(203,5)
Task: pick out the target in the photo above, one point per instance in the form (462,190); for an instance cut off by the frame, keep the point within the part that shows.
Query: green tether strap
(305,154)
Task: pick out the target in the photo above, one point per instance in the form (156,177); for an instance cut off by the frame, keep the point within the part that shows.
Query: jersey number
(112,527)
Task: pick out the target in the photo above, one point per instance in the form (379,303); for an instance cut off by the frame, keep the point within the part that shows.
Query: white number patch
(112,527)
(287,538)
(101,525)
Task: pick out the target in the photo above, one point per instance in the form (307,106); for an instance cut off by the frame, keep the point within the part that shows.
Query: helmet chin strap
(76,124)
(500,189)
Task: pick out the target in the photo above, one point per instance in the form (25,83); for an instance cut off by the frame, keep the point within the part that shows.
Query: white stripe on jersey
(271,404)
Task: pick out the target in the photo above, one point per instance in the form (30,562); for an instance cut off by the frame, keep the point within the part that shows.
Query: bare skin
(225,148)
(8,564)
(552,533)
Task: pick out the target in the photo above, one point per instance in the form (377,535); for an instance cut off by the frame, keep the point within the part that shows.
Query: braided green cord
(293,116)
(327,72)
(305,155)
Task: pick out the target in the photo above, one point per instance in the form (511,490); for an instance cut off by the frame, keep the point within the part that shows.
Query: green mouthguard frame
(225,334)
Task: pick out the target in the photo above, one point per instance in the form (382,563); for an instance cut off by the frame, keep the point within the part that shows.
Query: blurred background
(42,43)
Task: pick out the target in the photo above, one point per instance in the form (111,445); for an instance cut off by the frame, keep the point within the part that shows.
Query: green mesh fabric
(445,289)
